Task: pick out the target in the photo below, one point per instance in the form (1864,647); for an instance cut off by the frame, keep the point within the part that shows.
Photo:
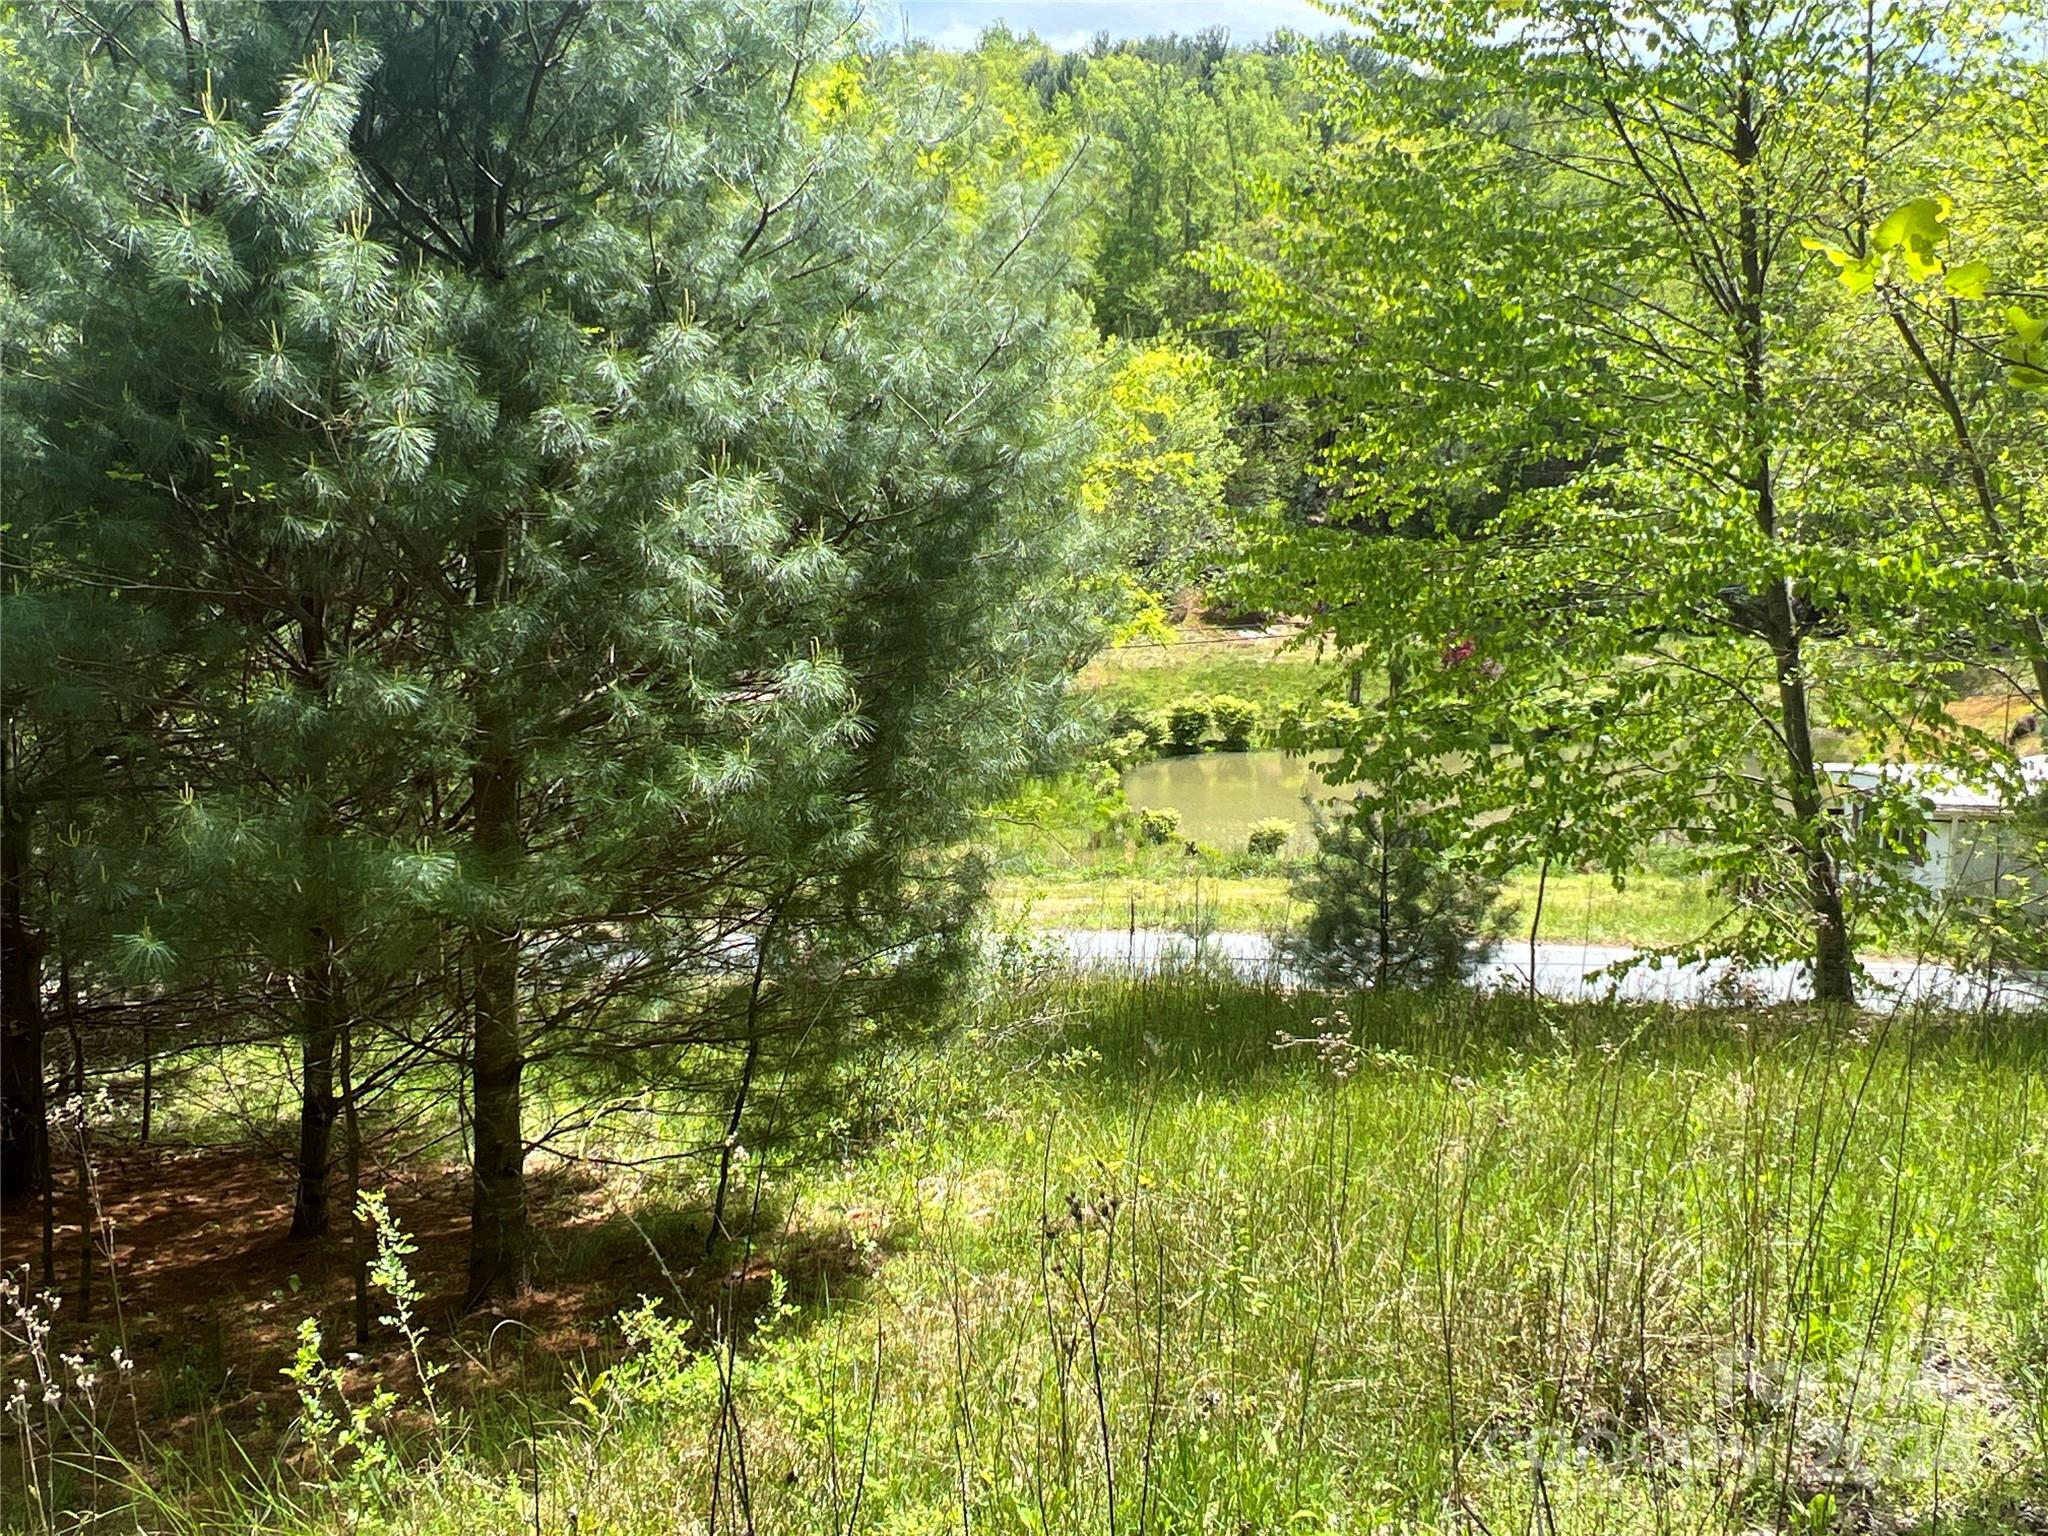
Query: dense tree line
(1641,400)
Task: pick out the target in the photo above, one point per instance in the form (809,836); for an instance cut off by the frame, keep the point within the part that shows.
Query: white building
(1970,839)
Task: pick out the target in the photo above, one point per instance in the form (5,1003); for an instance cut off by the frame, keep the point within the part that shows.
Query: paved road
(1582,971)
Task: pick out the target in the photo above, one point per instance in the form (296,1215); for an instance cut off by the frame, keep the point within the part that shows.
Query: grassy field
(1250,665)
(1651,910)
(1186,1256)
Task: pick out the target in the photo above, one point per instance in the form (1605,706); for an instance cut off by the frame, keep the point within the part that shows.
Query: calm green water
(1220,794)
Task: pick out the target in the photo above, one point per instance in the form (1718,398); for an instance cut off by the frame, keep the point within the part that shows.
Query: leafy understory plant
(1187,722)
(345,1433)
(661,1369)
(389,1273)
(1159,826)
(339,1430)
(1235,720)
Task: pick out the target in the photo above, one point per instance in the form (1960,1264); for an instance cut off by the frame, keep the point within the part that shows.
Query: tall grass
(1186,1254)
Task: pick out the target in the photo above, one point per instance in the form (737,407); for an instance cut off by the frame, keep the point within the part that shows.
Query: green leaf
(1858,273)
(1968,281)
(2026,364)
(1915,230)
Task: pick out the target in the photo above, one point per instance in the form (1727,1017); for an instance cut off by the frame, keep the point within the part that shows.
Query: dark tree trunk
(498,1241)
(359,1258)
(24,1109)
(88,1204)
(319,980)
(1833,963)
(148,1083)
(497,1223)
(318,1104)
(746,1083)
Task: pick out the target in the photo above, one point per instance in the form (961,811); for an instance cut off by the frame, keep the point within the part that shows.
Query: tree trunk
(497,1220)
(746,1083)
(1833,965)
(24,1109)
(148,1082)
(359,1258)
(88,1212)
(319,991)
(318,1105)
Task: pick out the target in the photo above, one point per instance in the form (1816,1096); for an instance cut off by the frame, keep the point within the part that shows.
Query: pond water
(1220,794)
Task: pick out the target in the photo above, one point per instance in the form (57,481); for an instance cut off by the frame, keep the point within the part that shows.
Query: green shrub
(1127,749)
(1390,907)
(1337,721)
(1160,826)
(1267,837)
(1148,725)
(1235,720)
(1187,722)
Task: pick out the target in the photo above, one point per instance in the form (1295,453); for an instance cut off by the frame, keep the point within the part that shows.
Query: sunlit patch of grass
(1651,910)
(1265,670)
(1245,903)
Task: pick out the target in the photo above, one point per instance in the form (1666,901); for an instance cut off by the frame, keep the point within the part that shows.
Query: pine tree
(630,499)
(1390,905)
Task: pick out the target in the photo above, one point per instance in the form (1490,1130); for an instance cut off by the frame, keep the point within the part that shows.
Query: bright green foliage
(1162,461)
(1973,437)
(1598,504)
(1187,724)
(1147,725)
(1188,133)
(1235,720)
(1158,826)
(1268,837)
(1942,280)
